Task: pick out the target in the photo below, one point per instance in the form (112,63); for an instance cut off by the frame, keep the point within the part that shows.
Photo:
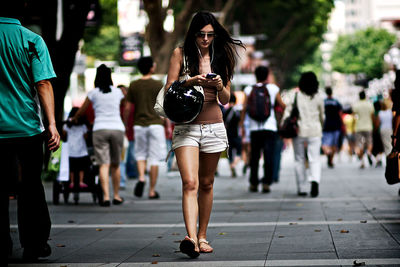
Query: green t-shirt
(24,60)
(143,93)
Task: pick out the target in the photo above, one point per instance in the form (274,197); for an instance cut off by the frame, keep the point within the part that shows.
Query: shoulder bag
(290,127)
(392,171)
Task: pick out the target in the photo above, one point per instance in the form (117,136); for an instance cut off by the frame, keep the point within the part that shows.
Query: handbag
(290,127)
(392,171)
(159,105)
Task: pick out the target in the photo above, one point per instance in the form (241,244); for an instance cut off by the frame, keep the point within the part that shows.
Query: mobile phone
(211,75)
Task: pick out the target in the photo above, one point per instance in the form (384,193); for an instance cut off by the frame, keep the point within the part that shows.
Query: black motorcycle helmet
(182,104)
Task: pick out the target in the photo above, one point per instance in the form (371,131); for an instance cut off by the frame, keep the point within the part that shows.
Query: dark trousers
(262,141)
(21,161)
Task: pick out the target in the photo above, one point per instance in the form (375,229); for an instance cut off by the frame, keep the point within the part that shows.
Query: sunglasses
(206,34)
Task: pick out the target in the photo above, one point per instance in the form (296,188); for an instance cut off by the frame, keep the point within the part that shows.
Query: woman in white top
(108,131)
(385,117)
(310,104)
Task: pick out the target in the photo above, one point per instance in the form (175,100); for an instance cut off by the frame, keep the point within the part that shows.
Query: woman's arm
(224,92)
(174,69)
(81,110)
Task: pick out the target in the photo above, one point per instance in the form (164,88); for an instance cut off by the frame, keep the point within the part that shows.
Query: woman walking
(311,118)
(108,131)
(207,48)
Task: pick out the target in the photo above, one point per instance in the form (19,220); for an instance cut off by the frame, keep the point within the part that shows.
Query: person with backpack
(231,119)
(259,103)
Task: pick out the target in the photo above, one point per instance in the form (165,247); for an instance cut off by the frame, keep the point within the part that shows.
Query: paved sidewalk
(355,220)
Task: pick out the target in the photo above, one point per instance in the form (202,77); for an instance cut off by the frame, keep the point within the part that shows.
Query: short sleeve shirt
(363,111)
(24,60)
(107,115)
(76,140)
(270,124)
(143,94)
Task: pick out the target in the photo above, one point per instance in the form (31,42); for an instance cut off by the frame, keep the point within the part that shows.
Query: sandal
(188,247)
(206,248)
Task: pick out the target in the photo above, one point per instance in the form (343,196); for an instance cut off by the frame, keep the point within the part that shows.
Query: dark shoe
(369,160)
(253,188)
(302,194)
(233,172)
(118,202)
(139,189)
(188,247)
(32,254)
(266,188)
(156,196)
(314,189)
(105,203)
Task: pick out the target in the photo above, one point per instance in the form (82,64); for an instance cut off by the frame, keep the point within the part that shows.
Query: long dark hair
(103,79)
(308,83)
(222,49)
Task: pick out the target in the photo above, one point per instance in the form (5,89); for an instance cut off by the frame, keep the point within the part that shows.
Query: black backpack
(259,103)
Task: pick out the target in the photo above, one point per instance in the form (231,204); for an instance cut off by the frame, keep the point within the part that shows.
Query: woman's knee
(206,185)
(189,185)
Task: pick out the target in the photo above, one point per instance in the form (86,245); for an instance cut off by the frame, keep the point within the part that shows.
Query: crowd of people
(111,114)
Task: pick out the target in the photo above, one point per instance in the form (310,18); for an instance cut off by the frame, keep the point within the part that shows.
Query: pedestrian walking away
(363,111)
(231,119)
(197,145)
(259,103)
(75,135)
(307,145)
(332,126)
(108,131)
(150,142)
(25,73)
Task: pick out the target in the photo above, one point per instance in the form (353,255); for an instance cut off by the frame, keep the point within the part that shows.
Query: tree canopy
(362,52)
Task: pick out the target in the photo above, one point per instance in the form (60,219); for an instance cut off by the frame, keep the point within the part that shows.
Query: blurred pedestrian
(363,111)
(231,119)
(332,126)
(385,117)
(349,123)
(377,145)
(207,48)
(263,130)
(150,143)
(108,131)
(25,89)
(75,134)
(310,104)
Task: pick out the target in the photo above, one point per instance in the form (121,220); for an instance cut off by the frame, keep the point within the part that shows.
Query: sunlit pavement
(355,221)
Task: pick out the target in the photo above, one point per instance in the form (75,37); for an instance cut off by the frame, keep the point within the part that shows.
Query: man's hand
(54,138)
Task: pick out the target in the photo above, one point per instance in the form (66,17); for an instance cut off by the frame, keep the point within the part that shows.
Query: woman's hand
(215,82)
(198,80)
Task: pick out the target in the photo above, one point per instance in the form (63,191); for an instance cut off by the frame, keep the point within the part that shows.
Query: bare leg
(141,165)
(116,179)
(208,165)
(104,177)
(81,176)
(153,179)
(188,163)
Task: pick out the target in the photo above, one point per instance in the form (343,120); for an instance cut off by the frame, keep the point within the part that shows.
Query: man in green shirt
(150,142)
(25,89)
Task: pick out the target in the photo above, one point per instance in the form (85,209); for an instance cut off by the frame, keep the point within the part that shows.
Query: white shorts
(150,143)
(210,138)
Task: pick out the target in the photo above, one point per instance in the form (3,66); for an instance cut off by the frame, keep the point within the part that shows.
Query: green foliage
(293,30)
(105,46)
(103,42)
(362,52)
